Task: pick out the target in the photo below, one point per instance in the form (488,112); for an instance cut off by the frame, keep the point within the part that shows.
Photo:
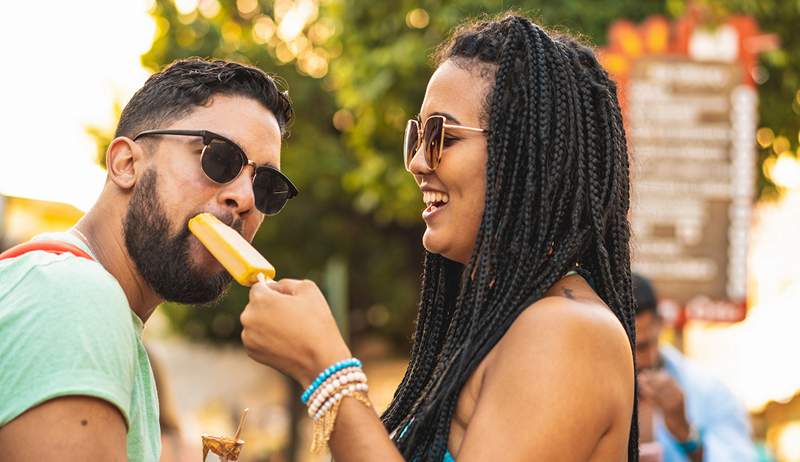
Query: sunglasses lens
(222,161)
(410,141)
(432,137)
(271,191)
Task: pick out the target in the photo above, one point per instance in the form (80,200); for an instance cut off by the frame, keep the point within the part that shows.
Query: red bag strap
(56,247)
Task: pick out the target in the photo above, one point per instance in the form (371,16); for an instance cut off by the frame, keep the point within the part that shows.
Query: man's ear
(124,158)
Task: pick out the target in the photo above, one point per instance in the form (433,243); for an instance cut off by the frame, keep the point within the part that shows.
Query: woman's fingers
(288,325)
(286,286)
(271,291)
(281,298)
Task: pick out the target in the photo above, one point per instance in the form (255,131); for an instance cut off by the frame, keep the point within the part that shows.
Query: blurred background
(356,71)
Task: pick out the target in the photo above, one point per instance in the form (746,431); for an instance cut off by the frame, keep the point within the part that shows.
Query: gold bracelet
(323,427)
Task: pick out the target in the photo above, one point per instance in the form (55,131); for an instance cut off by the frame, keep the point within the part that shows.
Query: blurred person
(693,416)
(524,340)
(75,380)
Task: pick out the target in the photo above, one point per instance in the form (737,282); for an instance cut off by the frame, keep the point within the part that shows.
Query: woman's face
(454,193)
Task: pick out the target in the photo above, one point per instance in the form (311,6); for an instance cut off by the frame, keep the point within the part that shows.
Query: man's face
(173,189)
(648,328)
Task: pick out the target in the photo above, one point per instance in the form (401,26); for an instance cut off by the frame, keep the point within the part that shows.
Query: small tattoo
(84,422)
(568,293)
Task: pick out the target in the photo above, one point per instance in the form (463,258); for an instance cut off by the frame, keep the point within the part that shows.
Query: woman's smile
(435,201)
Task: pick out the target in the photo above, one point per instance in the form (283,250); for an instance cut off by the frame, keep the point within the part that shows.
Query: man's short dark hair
(188,83)
(644,295)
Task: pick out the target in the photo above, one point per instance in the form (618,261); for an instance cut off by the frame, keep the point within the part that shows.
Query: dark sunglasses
(431,134)
(222,161)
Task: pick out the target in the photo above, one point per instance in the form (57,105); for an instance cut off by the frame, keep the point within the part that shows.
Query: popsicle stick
(261,278)
(241,423)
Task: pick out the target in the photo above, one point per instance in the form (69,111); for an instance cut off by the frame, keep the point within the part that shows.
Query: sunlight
(756,357)
(785,172)
(74,63)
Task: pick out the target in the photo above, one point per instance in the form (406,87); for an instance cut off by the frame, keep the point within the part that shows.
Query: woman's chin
(435,243)
(432,242)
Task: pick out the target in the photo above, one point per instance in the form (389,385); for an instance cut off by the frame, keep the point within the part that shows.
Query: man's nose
(238,195)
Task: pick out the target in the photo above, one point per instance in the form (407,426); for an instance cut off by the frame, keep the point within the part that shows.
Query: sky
(64,64)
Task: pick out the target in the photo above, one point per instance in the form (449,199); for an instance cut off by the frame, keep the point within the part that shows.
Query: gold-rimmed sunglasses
(431,134)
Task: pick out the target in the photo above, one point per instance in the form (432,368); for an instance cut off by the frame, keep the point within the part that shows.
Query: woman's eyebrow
(447,116)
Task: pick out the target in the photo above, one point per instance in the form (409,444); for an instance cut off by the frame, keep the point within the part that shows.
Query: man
(691,415)
(75,381)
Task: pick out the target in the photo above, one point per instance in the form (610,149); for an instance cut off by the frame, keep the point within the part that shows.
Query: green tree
(779,93)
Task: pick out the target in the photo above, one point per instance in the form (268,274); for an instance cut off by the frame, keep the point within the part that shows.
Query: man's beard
(163,259)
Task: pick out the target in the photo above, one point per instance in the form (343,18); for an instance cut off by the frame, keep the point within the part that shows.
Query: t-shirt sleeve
(65,329)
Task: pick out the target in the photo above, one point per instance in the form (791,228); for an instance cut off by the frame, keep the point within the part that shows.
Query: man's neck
(106,241)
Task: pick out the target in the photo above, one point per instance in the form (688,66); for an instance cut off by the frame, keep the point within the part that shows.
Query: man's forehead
(243,121)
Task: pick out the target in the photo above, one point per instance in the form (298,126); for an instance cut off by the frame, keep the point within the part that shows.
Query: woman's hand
(289,326)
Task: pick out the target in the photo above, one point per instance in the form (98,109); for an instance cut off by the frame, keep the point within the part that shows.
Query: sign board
(691,126)
(692,175)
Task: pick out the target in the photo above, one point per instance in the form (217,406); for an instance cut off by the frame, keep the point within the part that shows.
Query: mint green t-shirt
(66,329)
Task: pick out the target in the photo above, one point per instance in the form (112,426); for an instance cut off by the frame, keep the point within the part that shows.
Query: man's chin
(212,302)
(208,292)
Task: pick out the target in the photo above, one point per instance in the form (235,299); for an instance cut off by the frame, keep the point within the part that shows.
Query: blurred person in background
(524,340)
(691,415)
(75,380)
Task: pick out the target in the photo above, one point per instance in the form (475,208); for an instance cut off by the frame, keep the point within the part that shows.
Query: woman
(523,341)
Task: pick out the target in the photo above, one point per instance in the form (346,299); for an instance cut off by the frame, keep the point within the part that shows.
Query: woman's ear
(124,159)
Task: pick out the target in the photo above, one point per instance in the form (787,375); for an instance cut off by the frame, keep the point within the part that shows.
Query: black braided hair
(557,197)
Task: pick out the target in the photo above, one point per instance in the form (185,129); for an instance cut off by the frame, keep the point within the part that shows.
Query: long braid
(557,196)
(622,233)
(430,330)
(405,391)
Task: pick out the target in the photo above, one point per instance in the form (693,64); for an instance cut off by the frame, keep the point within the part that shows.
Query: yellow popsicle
(232,251)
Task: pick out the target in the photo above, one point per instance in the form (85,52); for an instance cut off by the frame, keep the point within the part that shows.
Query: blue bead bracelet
(321,378)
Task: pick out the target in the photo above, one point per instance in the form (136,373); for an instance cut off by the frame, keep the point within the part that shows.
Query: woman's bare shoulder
(577,332)
(568,363)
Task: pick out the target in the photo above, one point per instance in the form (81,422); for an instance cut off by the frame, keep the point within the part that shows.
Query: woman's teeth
(431,198)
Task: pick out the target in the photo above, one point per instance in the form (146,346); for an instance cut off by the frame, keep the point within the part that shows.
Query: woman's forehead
(457,91)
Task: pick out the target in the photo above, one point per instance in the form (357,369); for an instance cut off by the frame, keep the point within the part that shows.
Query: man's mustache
(237,224)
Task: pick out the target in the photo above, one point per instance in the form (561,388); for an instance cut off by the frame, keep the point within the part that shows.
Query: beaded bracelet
(336,375)
(336,398)
(333,385)
(329,395)
(327,373)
